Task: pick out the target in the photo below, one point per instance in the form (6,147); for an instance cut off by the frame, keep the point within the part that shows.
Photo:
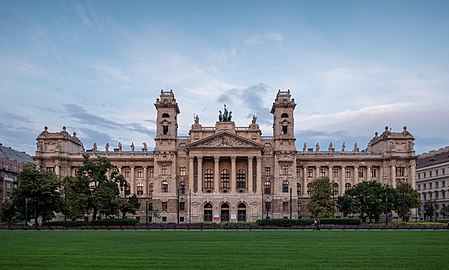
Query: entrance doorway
(241,214)
(207,212)
(225,212)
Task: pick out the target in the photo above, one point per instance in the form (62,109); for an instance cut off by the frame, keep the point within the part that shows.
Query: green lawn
(224,249)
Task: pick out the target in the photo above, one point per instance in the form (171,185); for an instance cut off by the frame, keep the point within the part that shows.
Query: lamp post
(386,208)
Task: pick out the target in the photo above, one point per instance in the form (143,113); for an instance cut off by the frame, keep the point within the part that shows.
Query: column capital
(216,158)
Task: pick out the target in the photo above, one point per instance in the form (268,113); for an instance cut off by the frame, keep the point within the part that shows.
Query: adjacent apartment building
(432,179)
(229,173)
(11,163)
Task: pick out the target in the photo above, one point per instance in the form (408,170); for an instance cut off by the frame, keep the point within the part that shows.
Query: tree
(406,198)
(367,199)
(37,193)
(430,207)
(128,206)
(445,211)
(102,191)
(321,203)
(7,211)
(345,204)
(76,195)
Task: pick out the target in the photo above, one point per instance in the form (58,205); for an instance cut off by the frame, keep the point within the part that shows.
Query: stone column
(133,181)
(317,171)
(200,174)
(356,175)
(217,174)
(250,174)
(259,183)
(331,175)
(411,175)
(233,174)
(381,174)
(191,172)
(145,176)
(368,173)
(393,175)
(343,179)
(304,181)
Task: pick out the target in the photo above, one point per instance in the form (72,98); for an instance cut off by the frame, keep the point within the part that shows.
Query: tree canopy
(37,193)
(321,204)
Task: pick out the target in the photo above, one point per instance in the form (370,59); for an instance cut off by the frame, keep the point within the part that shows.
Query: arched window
(298,189)
(335,189)
(164,187)
(208,212)
(241,179)
(208,179)
(309,189)
(151,188)
(267,188)
(347,186)
(284,115)
(139,189)
(224,179)
(182,188)
(165,115)
(128,189)
(165,129)
(241,212)
(285,186)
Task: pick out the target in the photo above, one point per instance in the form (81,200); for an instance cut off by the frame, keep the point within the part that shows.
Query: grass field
(224,249)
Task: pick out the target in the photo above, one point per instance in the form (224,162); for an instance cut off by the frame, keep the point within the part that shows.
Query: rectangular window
(150,206)
(284,129)
(360,173)
(335,173)
(373,173)
(436,184)
(436,173)
(443,172)
(443,183)
(430,185)
(298,172)
(400,171)
(430,174)
(419,187)
(310,173)
(348,173)
(164,206)
(127,173)
(164,170)
(284,170)
(284,206)
(139,173)
(322,172)
(182,206)
(182,171)
(165,130)
(151,172)
(267,171)
(164,219)
(424,186)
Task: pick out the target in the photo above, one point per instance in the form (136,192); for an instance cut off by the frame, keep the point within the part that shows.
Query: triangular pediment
(225,140)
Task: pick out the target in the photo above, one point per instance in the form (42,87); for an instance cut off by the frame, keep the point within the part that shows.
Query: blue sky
(97,67)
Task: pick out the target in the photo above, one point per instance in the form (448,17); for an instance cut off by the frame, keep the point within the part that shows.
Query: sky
(97,67)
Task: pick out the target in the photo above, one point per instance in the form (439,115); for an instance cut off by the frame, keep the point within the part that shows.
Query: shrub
(66,223)
(115,222)
(307,222)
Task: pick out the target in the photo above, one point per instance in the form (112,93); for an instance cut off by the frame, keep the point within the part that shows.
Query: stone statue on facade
(106,147)
(254,119)
(119,147)
(220,116)
(356,148)
(343,146)
(132,148)
(94,148)
(197,119)
(304,148)
(317,147)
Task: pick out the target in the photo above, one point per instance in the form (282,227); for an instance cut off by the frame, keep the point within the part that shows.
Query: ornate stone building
(229,173)
(432,179)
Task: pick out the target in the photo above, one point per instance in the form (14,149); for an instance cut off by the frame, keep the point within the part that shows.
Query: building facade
(229,173)
(11,163)
(432,179)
